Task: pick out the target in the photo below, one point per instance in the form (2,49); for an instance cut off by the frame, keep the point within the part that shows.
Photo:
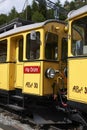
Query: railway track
(18,122)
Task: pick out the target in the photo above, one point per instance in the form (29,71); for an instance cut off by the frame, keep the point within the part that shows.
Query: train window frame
(64,54)
(50,44)
(20,55)
(79,45)
(3,51)
(32,48)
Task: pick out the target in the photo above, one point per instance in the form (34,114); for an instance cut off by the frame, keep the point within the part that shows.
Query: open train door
(18,45)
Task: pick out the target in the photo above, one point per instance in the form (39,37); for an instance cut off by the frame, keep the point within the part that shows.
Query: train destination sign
(32,69)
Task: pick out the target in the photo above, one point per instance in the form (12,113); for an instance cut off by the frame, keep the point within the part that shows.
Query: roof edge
(77,12)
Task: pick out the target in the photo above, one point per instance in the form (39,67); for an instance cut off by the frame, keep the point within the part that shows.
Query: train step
(17,97)
(15,107)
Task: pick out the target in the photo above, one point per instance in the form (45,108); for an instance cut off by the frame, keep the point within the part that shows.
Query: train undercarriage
(42,110)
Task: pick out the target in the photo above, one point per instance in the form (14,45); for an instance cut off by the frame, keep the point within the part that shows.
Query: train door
(32,66)
(18,42)
(19,64)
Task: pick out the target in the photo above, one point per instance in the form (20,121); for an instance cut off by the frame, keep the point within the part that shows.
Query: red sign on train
(31,69)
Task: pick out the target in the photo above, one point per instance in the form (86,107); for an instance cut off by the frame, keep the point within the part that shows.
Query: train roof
(77,12)
(31,26)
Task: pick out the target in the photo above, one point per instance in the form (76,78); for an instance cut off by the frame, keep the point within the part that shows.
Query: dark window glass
(79,37)
(51,47)
(33,47)
(64,49)
(21,50)
(3,51)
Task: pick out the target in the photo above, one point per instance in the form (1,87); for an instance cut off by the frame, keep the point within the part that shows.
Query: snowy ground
(8,123)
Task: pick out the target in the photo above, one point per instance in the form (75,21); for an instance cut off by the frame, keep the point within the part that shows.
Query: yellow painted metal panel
(11,75)
(19,75)
(4,76)
(32,78)
(7,76)
(77,79)
(48,89)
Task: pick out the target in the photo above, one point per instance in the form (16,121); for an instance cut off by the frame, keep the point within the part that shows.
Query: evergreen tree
(72,6)
(3,19)
(34,6)
(59,3)
(66,5)
(80,3)
(38,11)
(50,14)
(37,17)
(27,13)
(13,14)
(43,8)
(61,11)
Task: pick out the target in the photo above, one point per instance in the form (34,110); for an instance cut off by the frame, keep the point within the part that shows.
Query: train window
(79,38)
(21,50)
(33,47)
(3,51)
(64,49)
(51,47)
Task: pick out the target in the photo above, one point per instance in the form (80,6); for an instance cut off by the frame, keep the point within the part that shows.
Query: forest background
(39,11)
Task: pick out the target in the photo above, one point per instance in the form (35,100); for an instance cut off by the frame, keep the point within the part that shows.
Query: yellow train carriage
(34,65)
(77,59)
(29,56)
